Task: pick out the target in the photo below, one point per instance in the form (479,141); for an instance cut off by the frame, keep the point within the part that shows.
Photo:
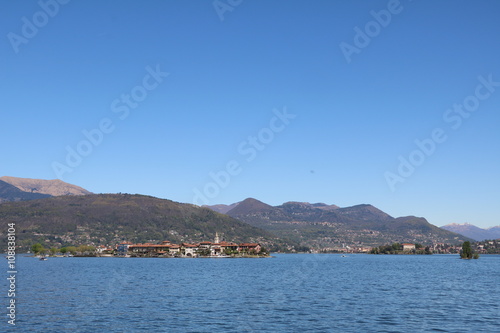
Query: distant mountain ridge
(329,226)
(471,231)
(9,192)
(55,187)
(23,189)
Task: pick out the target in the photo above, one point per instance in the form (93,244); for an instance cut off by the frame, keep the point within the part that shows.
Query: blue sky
(197,103)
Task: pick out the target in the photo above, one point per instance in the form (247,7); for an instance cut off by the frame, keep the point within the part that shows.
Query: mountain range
(328,226)
(474,232)
(58,213)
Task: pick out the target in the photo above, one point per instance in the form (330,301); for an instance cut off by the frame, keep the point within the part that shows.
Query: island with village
(165,249)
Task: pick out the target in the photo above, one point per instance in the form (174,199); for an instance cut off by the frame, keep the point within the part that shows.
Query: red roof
(150,245)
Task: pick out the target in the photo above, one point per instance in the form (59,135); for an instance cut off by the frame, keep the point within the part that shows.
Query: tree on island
(37,248)
(71,249)
(467,252)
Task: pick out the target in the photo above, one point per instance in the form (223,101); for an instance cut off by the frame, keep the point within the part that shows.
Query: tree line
(397,248)
(39,249)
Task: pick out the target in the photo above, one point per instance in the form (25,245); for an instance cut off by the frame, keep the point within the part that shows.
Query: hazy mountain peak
(459,224)
(472,231)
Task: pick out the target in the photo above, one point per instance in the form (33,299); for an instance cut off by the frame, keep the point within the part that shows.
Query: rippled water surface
(287,293)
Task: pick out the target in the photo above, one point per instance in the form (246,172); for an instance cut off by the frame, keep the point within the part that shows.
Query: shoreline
(27,255)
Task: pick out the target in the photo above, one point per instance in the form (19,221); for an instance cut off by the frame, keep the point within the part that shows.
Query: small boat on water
(43,258)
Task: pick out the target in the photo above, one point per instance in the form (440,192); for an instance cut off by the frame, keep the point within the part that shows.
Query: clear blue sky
(70,69)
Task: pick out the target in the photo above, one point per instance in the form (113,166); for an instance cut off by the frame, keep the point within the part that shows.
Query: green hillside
(320,226)
(112,218)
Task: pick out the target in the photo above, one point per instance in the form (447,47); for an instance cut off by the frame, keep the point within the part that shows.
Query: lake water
(287,293)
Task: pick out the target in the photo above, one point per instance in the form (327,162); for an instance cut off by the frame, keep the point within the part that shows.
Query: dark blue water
(288,293)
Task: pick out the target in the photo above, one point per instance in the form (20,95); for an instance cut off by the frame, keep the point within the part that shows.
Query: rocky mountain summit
(23,189)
